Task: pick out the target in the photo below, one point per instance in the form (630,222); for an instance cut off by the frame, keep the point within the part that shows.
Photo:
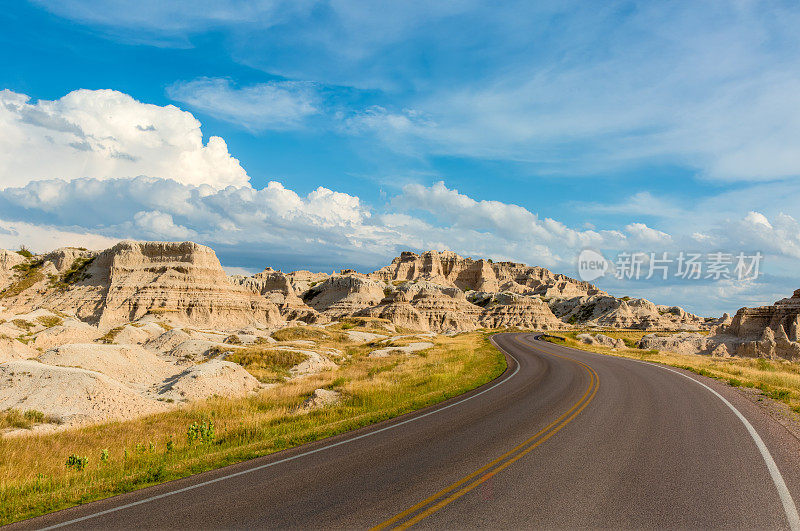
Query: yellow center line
(520,450)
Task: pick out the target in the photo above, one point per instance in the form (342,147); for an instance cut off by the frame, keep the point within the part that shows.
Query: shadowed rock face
(277,288)
(750,323)
(344,295)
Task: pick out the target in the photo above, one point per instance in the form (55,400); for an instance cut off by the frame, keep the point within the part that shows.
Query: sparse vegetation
(76,462)
(301,332)
(268,365)
(111,335)
(49,321)
(233,340)
(23,324)
(13,418)
(23,251)
(77,272)
(375,390)
(28,274)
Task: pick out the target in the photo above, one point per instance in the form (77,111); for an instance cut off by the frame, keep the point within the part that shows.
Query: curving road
(565,438)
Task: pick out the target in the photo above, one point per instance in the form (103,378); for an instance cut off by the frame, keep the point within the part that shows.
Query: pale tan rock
(304,280)
(11,349)
(601,340)
(682,343)
(129,364)
(321,398)
(448,268)
(197,350)
(362,337)
(137,333)
(425,305)
(64,258)
(167,341)
(509,310)
(215,377)
(315,363)
(70,331)
(8,259)
(607,311)
(73,394)
(405,349)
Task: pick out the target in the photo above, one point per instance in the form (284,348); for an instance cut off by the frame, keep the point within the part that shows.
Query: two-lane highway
(564,438)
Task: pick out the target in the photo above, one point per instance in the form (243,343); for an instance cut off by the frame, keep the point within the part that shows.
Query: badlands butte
(143,327)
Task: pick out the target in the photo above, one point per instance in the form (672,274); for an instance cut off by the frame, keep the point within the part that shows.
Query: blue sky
(526,131)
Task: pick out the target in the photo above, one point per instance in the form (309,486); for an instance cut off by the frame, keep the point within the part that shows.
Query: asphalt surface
(564,438)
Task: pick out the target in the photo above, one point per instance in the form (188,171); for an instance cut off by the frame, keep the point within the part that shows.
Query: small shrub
(77,462)
(23,251)
(49,321)
(22,323)
(104,455)
(34,416)
(233,339)
(28,274)
(202,432)
(77,271)
(170,446)
(111,335)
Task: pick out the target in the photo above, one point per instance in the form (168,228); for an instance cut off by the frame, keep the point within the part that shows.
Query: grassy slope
(34,478)
(777,379)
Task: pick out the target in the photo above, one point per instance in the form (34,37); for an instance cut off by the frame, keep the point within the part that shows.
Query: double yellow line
(449,494)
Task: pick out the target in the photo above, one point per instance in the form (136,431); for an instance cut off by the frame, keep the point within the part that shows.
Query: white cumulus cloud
(105,134)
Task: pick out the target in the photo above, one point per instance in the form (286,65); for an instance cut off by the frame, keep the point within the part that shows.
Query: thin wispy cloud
(273,105)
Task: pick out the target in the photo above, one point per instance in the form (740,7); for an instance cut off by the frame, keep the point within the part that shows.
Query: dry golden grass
(34,478)
(268,365)
(13,418)
(776,379)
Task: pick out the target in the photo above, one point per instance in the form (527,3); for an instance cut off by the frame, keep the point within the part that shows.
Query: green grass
(34,478)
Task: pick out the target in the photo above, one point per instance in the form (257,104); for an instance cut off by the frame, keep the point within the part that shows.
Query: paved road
(564,438)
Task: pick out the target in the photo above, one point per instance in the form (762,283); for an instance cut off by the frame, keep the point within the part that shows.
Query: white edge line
(789,506)
(292,458)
